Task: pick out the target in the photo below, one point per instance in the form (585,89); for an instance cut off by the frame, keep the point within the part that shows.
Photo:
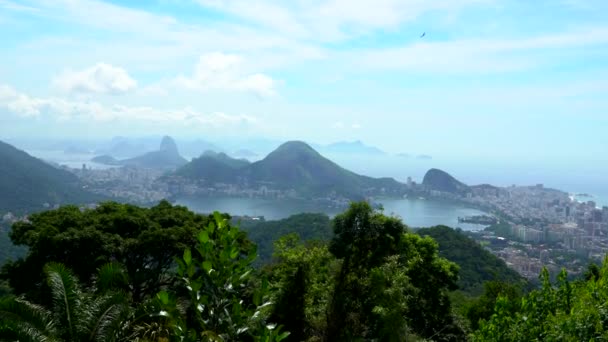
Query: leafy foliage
(561,311)
(308,227)
(217,276)
(144,240)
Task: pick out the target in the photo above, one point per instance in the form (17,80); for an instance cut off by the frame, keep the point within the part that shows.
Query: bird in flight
(423,34)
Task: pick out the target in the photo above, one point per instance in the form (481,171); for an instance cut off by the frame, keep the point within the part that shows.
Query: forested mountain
(28,183)
(477,265)
(293,165)
(438,180)
(213,167)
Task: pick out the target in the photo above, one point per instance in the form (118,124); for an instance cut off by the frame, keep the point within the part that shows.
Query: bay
(413,212)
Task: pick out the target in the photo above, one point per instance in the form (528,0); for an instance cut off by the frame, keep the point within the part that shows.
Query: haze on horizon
(516,80)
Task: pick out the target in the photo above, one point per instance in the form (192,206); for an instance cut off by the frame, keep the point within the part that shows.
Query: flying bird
(423,34)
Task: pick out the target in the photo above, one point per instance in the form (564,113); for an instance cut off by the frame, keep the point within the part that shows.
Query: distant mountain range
(28,183)
(167,157)
(293,165)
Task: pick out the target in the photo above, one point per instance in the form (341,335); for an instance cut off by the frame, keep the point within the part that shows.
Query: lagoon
(414,212)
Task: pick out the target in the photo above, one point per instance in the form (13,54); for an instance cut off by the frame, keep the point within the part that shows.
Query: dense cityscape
(539,227)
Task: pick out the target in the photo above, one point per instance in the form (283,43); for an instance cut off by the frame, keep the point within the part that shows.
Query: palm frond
(65,292)
(23,332)
(19,310)
(111,276)
(108,315)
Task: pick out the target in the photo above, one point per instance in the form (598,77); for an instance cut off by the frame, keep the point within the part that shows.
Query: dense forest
(124,273)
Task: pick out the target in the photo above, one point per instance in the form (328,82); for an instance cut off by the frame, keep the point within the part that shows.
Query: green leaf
(203,237)
(282,336)
(207,265)
(245,275)
(163,296)
(234,253)
(187,257)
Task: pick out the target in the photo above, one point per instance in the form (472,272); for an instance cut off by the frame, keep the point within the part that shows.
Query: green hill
(477,265)
(28,183)
(293,165)
(435,179)
(213,168)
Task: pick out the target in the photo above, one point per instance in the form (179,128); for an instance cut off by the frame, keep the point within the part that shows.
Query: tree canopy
(144,240)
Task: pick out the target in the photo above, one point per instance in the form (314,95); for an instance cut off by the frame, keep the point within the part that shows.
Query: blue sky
(491,79)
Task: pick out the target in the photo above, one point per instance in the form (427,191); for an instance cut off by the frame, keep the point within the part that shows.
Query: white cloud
(18,103)
(62,109)
(101,78)
(220,71)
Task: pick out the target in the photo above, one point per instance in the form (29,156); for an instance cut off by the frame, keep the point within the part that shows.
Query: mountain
(477,265)
(293,165)
(439,180)
(27,183)
(167,157)
(213,167)
(354,147)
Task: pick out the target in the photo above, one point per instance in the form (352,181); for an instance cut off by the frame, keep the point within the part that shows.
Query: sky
(509,79)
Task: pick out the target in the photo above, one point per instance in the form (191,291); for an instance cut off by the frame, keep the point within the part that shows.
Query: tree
(302,276)
(364,302)
(482,308)
(144,240)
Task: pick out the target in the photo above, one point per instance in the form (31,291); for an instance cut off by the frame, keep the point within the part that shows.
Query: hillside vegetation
(27,183)
(477,265)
